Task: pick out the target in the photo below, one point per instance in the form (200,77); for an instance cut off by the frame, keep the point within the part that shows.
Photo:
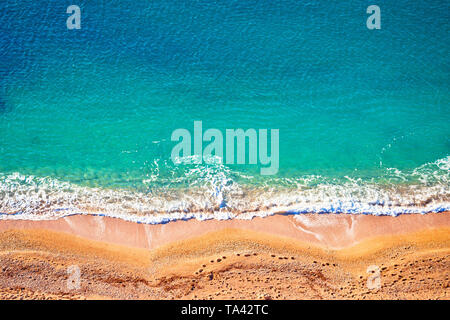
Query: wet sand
(280,257)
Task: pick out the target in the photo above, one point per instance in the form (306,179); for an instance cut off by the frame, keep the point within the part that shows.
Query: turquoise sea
(86,116)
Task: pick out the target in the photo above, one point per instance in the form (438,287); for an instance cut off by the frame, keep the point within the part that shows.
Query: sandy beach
(279,257)
(224,150)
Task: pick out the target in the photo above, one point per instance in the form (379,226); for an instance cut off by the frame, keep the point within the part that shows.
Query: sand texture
(279,257)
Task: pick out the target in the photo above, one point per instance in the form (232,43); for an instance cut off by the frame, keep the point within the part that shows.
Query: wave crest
(216,192)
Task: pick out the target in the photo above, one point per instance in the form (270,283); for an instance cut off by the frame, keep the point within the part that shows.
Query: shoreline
(332,231)
(278,257)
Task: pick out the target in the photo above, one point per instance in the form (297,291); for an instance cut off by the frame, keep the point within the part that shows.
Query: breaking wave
(214,191)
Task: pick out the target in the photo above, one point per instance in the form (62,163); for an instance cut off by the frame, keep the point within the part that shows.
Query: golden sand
(280,257)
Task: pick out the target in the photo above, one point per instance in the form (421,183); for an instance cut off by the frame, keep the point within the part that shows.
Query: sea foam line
(214,195)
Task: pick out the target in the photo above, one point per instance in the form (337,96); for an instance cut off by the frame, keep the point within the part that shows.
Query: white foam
(213,194)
